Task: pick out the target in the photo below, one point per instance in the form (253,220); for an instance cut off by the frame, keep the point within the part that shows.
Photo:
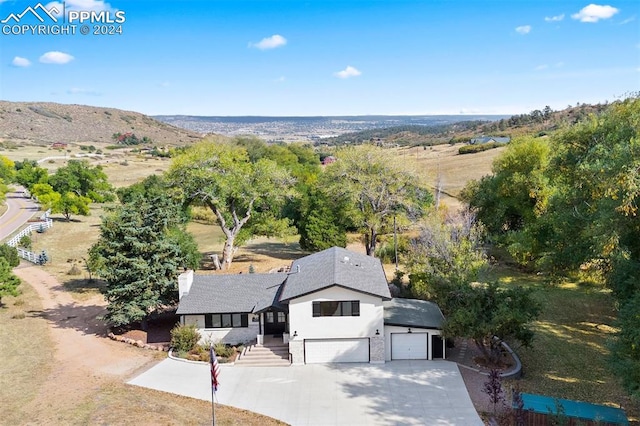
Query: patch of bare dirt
(85,358)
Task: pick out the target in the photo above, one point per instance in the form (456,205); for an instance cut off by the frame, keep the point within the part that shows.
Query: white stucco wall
(388,329)
(302,321)
(231,336)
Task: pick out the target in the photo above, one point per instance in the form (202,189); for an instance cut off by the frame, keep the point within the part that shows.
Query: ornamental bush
(184,337)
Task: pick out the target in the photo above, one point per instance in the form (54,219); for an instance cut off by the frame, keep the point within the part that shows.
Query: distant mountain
(44,123)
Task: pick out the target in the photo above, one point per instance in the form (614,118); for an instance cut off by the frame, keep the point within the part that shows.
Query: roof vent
(345,259)
(297,268)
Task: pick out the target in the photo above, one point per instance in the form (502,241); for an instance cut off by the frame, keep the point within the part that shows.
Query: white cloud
(556,18)
(594,13)
(280,79)
(95,5)
(20,62)
(164,84)
(543,67)
(349,71)
(626,21)
(272,42)
(523,29)
(55,57)
(79,91)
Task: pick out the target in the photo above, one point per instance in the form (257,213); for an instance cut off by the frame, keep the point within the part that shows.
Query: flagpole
(213,410)
(215,370)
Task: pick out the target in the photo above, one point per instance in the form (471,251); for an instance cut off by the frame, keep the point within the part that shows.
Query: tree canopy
(379,187)
(84,180)
(578,210)
(246,197)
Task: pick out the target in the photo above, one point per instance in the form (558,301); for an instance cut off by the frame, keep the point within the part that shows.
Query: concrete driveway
(398,392)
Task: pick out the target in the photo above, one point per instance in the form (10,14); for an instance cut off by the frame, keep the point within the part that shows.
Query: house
(332,306)
(328,160)
(487,139)
(59,145)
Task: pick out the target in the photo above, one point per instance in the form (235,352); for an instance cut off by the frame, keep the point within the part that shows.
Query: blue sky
(327,57)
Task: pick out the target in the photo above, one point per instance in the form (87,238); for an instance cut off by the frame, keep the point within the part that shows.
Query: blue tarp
(583,410)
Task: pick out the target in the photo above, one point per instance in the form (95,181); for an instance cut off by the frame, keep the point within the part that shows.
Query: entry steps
(273,355)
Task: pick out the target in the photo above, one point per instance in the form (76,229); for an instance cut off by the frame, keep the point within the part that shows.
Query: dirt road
(84,358)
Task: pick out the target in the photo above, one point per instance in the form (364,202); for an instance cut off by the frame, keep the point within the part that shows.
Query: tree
(379,187)
(320,224)
(10,254)
(245,197)
(84,180)
(69,203)
(488,314)
(8,282)
(493,388)
(138,259)
(447,254)
(28,173)
(626,346)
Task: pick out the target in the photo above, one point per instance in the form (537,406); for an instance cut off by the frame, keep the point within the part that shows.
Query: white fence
(35,226)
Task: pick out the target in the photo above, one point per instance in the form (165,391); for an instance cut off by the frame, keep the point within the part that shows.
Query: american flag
(215,369)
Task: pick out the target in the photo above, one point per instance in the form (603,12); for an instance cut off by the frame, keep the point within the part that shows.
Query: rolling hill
(44,123)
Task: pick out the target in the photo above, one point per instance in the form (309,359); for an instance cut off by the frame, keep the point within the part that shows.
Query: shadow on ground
(276,249)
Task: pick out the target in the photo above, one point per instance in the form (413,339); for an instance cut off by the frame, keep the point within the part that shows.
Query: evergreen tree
(8,282)
(139,259)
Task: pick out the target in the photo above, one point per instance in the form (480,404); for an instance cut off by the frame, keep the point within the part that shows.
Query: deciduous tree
(246,197)
(379,187)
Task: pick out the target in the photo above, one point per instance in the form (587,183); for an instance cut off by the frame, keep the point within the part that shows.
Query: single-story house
(487,139)
(332,306)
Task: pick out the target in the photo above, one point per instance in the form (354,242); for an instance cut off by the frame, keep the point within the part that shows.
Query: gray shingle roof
(231,293)
(336,266)
(412,313)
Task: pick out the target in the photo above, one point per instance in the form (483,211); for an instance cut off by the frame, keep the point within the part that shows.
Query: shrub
(74,270)
(25,242)
(10,254)
(471,149)
(184,337)
(223,350)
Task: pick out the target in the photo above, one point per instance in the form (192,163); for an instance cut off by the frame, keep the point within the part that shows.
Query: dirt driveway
(84,359)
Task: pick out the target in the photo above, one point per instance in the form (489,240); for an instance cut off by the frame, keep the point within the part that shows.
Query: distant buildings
(487,139)
(59,145)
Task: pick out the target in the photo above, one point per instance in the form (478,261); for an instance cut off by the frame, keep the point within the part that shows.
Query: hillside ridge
(47,122)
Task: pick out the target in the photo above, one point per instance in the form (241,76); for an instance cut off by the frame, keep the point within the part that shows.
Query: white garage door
(336,350)
(409,345)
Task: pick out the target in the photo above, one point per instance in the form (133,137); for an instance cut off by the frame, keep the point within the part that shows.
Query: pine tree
(139,259)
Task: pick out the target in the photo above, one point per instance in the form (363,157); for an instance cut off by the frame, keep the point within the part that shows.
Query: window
(226,320)
(349,308)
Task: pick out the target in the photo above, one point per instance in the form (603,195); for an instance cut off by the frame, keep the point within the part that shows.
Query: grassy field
(568,358)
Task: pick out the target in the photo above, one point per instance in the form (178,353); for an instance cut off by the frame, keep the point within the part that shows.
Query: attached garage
(336,350)
(412,330)
(409,346)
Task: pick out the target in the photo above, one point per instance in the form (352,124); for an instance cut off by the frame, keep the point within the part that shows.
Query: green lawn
(569,354)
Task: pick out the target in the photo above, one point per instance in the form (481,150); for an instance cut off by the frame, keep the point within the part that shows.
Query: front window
(349,308)
(226,320)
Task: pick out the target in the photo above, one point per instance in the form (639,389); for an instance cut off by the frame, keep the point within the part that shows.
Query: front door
(275,323)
